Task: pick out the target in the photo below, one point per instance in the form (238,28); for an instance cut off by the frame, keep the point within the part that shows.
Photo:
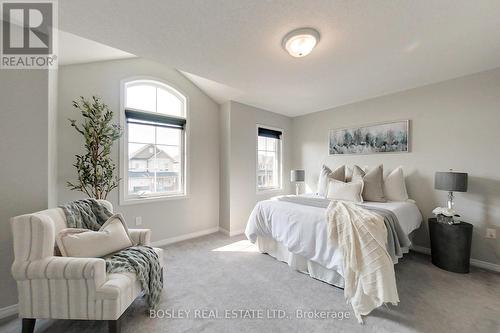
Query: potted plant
(95,168)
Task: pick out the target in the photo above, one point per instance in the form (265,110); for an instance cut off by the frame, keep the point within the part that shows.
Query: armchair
(51,286)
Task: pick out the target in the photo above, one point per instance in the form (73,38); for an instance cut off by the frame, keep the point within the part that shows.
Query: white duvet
(303,229)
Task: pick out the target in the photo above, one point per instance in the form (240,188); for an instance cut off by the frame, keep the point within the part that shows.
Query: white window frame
(125,197)
(261,190)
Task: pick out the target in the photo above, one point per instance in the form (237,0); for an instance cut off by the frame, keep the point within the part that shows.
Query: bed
(296,233)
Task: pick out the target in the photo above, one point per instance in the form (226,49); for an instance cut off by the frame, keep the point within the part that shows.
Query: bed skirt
(280,252)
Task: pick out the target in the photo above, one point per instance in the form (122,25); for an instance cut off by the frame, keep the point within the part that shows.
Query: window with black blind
(269,142)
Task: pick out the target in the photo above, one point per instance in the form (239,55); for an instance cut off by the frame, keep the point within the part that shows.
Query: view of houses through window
(155,147)
(153,167)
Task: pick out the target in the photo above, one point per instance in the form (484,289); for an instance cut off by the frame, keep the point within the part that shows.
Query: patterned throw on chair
(141,260)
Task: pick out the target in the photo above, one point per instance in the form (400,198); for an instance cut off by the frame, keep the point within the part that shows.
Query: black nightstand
(450,245)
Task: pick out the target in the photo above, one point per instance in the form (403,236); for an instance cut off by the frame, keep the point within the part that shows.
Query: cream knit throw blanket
(369,276)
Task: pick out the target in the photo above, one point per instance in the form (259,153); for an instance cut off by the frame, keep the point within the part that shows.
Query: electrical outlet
(138,220)
(491,233)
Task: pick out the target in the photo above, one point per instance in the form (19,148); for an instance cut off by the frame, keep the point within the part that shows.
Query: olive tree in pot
(95,168)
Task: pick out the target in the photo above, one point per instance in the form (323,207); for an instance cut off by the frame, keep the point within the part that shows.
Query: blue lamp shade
(297,176)
(451,181)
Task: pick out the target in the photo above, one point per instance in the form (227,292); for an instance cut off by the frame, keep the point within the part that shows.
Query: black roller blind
(269,133)
(154,119)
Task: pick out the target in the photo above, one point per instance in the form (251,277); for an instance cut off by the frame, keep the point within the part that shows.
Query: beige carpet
(218,273)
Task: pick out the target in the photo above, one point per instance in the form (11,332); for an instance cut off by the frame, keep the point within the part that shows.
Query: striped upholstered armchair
(51,286)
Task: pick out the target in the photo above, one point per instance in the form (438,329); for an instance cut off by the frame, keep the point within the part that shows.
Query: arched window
(154,141)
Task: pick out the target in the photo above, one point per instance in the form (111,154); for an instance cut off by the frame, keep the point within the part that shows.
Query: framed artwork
(388,137)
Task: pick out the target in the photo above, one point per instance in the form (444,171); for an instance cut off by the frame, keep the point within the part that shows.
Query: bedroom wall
(52,137)
(454,124)
(199,213)
(24,167)
(242,160)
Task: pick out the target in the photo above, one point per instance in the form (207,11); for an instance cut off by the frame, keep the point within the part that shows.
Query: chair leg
(28,325)
(114,326)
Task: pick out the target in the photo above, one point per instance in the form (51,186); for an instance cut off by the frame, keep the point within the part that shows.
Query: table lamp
(452,182)
(297,177)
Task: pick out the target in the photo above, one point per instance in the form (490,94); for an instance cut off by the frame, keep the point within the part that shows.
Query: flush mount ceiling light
(300,42)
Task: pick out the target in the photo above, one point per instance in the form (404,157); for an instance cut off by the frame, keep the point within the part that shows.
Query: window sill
(137,201)
(269,190)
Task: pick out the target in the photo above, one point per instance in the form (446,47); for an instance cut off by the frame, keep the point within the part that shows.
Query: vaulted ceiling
(74,49)
(232,48)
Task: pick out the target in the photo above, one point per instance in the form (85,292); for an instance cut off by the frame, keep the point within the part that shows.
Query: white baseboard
(231,233)
(474,262)
(236,233)
(486,265)
(8,311)
(421,249)
(180,238)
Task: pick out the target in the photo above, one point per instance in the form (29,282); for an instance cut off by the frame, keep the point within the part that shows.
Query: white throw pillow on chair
(113,236)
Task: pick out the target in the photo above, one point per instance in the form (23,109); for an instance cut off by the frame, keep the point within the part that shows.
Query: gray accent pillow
(348,174)
(373,189)
(349,171)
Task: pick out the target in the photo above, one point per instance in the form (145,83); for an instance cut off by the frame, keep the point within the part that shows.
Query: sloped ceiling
(74,49)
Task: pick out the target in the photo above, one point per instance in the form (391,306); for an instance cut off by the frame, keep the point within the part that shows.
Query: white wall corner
(236,233)
(231,233)
(224,231)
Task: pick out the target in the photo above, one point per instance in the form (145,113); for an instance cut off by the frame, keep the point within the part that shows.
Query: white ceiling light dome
(300,42)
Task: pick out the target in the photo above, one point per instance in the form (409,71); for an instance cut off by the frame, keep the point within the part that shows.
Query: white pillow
(395,187)
(352,191)
(112,236)
(326,174)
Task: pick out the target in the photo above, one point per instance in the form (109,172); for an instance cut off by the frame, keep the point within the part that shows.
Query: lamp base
(451,204)
(297,188)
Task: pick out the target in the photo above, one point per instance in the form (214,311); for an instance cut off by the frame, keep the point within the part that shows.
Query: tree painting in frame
(390,137)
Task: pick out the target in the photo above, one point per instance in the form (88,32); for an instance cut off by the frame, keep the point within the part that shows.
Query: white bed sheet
(408,214)
(302,229)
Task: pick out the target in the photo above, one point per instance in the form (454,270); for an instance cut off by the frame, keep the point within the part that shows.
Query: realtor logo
(28,34)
